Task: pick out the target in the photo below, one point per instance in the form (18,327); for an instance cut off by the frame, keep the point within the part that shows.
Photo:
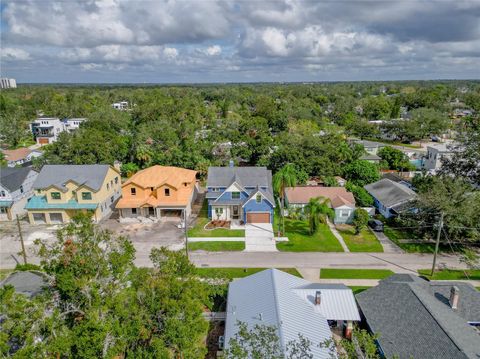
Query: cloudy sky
(238,41)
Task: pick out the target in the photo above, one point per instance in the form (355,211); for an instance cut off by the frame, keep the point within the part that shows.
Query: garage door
(39,218)
(56,218)
(263,217)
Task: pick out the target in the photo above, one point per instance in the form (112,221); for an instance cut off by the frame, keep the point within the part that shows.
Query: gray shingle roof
(58,175)
(390,193)
(276,298)
(413,321)
(12,178)
(248,176)
(29,283)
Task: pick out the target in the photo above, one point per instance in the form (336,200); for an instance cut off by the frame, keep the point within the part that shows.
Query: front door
(235,212)
(151,212)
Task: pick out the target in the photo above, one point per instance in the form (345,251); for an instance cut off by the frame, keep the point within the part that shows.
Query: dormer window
(55,195)
(235,195)
(133,191)
(258,198)
(167,192)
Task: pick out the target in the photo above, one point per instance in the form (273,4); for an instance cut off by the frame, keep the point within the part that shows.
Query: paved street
(393,261)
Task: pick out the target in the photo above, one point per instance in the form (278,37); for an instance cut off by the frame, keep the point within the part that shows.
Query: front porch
(233,213)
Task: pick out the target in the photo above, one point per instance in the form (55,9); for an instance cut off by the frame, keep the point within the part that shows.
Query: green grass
(449,274)
(4,273)
(358,289)
(365,241)
(300,239)
(199,231)
(397,235)
(220,246)
(329,273)
(231,273)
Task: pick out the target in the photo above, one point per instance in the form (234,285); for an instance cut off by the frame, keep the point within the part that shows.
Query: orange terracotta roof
(155,177)
(338,196)
(18,154)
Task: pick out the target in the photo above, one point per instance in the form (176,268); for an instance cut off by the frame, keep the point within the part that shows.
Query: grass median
(450,274)
(217,246)
(334,273)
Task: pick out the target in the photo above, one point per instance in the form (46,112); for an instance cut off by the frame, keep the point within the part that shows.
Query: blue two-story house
(240,194)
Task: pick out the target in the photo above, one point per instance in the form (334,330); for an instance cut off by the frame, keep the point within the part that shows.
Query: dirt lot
(143,236)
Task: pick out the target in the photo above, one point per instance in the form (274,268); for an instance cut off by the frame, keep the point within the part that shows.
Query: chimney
(454,297)
(231,164)
(318,297)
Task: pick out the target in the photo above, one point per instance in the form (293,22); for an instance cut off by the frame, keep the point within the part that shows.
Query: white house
(46,129)
(8,83)
(122,105)
(15,189)
(20,156)
(293,306)
(71,124)
(433,158)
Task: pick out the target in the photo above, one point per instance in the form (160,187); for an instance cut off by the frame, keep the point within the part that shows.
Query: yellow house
(61,191)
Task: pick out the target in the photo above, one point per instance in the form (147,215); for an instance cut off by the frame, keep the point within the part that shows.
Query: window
(108,187)
(111,199)
(116,180)
(55,195)
(3,210)
(21,189)
(2,193)
(133,191)
(134,211)
(344,213)
(258,198)
(235,195)
(218,211)
(111,183)
(151,189)
(167,192)
(215,189)
(86,195)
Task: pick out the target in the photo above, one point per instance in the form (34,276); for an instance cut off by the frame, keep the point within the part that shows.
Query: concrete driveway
(259,237)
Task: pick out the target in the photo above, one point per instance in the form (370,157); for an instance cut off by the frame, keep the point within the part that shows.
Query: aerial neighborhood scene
(240,179)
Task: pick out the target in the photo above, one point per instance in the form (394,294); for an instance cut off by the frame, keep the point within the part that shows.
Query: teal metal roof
(40,202)
(6,203)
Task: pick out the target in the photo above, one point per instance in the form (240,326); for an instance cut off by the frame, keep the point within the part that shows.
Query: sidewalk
(338,236)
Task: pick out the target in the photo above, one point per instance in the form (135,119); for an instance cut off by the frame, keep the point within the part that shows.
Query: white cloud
(213,50)
(11,53)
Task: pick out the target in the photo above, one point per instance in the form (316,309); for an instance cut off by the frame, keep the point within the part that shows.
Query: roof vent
(318,297)
(454,297)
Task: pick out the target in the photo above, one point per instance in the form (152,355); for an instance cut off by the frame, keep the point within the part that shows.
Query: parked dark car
(376,225)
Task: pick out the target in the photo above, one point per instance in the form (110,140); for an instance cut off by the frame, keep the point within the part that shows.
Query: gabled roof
(157,176)
(268,195)
(414,319)
(276,298)
(17,154)
(338,196)
(13,178)
(247,176)
(390,193)
(58,175)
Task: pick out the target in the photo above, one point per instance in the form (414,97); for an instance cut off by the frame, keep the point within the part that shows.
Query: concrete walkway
(387,244)
(259,237)
(338,236)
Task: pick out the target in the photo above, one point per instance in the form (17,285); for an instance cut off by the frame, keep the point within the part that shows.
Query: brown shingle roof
(337,195)
(18,154)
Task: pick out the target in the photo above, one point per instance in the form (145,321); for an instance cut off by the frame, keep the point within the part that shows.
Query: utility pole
(185,230)
(24,254)
(440,226)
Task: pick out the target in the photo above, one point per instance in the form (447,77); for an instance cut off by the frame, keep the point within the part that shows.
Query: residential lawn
(220,246)
(365,241)
(449,274)
(358,289)
(231,273)
(198,229)
(329,273)
(397,235)
(300,239)
(4,273)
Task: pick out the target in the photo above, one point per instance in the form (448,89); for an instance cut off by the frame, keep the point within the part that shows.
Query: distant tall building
(8,83)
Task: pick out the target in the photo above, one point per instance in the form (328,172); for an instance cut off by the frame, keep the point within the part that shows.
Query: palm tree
(318,210)
(285,177)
